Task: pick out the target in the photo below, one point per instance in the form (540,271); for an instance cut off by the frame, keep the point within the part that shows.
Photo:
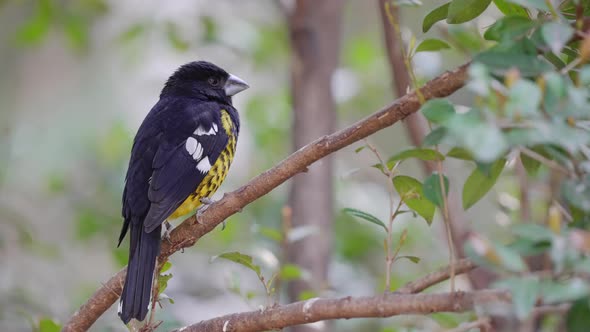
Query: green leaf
(48,325)
(535,233)
(556,35)
(174,37)
(431,45)
(509,28)
(478,183)
(510,259)
(438,14)
(420,153)
(483,140)
(559,292)
(413,259)
(460,153)
(530,165)
(508,8)
(359,149)
(538,4)
(577,193)
(410,191)
(306,295)
(583,75)
(500,62)
(271,233)
(290,272)
(461,11)
(467,37)
(435,137)
(241,259)
(210,28)
(365,216)
(578,316)
(133,32)
(76,30)
(525,291)
(432,189)
(163,281)
(36,28)
(166,267)
(438,110)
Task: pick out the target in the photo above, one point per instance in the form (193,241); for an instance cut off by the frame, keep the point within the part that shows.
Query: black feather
(136,295)
(162,174)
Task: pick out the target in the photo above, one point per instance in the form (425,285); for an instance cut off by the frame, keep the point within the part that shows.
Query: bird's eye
(214,81)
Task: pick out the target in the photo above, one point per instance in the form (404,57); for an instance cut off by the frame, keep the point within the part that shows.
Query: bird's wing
(179,168)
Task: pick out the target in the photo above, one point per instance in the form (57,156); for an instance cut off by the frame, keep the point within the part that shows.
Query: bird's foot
(166,234)
(205,202)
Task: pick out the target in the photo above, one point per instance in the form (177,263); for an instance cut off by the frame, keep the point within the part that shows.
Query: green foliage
(438,14)
(578,317)
(411,192)
(163,279)
(433,190)
(48,325)
(239,258)
(419,153)
(73,19)
(365,216)
(175,38)
(290,272)
(430,45)
(461,11)
(438,110)
(508,8)
(479,183)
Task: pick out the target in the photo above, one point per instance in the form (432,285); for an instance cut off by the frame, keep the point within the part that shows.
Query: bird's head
(201,79)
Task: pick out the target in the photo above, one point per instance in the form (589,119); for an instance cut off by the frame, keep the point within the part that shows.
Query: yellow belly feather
(216,174)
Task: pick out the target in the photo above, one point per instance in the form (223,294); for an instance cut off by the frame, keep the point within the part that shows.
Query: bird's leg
(166,234)
(206,202)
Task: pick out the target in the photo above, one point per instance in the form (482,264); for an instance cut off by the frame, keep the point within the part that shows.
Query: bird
(180,156)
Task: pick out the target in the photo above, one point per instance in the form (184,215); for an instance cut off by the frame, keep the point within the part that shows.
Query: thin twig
(548,162)
(417,286)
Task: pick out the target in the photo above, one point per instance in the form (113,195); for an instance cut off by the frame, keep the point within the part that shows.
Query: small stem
(448,227)
(548,162)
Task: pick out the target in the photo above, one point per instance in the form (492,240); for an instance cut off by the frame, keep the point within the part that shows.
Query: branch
(316,309)
(190,231)
(413,287)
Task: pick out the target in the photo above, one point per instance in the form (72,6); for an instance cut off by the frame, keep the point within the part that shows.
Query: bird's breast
(212,181)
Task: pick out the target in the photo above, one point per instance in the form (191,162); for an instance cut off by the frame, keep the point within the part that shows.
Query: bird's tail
(143,250)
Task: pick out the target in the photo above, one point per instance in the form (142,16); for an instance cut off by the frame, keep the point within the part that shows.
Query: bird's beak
(234,85)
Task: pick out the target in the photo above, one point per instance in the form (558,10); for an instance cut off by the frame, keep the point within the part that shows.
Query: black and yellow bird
(181,154)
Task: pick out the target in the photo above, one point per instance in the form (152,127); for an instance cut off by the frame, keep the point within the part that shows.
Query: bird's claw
(206,201)
(166,234)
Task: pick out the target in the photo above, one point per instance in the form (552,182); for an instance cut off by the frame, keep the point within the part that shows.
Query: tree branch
(316,309)
(190,231)
(416,286)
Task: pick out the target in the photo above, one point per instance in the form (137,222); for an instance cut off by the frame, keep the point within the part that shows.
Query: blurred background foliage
(79,76)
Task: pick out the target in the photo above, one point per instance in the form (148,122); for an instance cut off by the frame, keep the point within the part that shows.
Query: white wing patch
(200,131)
(204,165)
(194,148)
(198,152)
(191,145)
